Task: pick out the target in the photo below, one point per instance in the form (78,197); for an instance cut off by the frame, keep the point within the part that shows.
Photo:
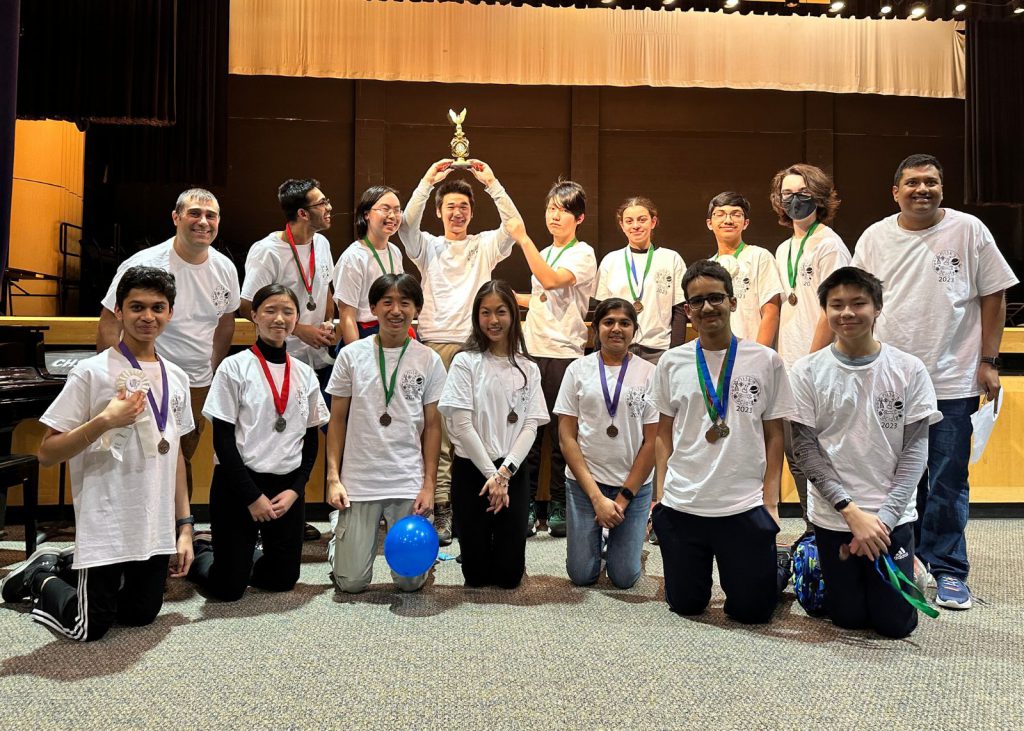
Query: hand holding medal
(162,412)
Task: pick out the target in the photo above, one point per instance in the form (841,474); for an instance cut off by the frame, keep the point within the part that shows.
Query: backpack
(808,582)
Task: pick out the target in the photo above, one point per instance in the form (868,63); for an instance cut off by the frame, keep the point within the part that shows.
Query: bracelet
(187,520)
(85,433)
(501,480)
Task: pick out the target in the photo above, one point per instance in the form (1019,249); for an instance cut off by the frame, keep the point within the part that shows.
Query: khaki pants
(443,492)
(353,543)
(190,442)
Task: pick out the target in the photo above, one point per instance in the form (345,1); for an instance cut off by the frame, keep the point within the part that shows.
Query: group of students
(450,417)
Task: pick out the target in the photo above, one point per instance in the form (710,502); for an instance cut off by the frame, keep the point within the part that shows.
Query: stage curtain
(495,44)
(995,112)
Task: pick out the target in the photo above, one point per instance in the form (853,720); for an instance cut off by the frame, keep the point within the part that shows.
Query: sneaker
(784,561)
(951,592)
(310,533)
(531,520)
(443,523)
(922,579)
(556,519)
(652,537)
(17,585)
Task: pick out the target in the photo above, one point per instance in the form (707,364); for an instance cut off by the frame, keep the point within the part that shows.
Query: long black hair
(478,340)
(610,305)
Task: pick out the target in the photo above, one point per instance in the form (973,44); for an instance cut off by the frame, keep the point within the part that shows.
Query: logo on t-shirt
(635,399)
(947,265)
(806,274)
(304,410)
(471,252)
(178,407)
(412,383)
(220,300)
(745,392)
(889,407)
(325,272)
(663,281)
(740,285)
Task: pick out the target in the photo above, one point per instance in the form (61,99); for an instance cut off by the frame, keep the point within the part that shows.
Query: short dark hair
(707,268)
(610,305)
(568,195)
(406,285)
(370,197)
(918,160)
(818,183)
(851,277)
(292,196)
(729,198)
(448,187)
(272,290)
(150,279)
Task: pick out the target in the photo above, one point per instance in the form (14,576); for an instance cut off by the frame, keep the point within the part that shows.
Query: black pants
(493,545)
(744,547)
(552,371)
(129,593)
(234,538)
(856,595)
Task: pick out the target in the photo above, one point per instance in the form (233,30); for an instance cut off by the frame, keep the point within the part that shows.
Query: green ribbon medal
(793,268)
(895,576)
(389,389)
(547,257)
(391,261)
(631,275)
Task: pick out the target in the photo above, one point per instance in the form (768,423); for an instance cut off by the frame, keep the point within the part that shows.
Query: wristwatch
(842,504)
(993,360)
(627,493)
(510,466)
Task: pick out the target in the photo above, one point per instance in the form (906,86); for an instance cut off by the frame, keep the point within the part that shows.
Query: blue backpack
(808,582)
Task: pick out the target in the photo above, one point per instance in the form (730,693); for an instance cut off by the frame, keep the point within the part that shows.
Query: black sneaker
(556,519)
(531,520)
(310,533)
(17,585)
(784,561)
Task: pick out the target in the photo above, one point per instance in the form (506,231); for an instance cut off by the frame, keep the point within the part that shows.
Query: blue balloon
(411,546)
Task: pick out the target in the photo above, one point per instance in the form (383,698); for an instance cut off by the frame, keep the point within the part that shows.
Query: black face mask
(799,206)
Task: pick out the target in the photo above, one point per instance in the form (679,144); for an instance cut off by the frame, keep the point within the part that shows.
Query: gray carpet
(547,655)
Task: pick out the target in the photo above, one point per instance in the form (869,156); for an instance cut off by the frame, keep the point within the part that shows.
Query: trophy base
(462,164)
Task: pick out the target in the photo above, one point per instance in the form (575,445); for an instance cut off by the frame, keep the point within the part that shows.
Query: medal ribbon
(373,250)
(612,404)
(161,413)
(389,390)
(736,256)
(791,267)
(561,251)
(631,266)
(716,400)
(895,576)
(307,283)
(280,399)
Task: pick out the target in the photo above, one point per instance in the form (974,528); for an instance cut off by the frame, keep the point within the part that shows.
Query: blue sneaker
(951,592)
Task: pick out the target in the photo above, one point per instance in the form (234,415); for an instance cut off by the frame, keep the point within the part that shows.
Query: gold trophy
(460,143)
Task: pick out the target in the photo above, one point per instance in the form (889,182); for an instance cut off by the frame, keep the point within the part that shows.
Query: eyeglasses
(732,215)
(325,202)
(388,212)
(714,299)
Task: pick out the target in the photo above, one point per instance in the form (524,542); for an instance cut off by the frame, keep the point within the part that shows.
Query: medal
(793,268)
(716,400)
(612,402)
(280,399)
(631,276)
(792,298)
(513,417)
(160,414)
(389,390)
(307,283)
(391,259)
(547,260)
(543,296)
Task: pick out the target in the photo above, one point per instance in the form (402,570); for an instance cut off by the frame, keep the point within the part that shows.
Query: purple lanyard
(612,403)
(161,413)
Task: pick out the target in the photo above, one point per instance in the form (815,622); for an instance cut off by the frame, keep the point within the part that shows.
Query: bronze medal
(792,298)
(712,434)
(612,431)
(311,305)
(513,417)
(164,446)
(543,296)
(722,428)
(638,306)
(280,424)
(385,419)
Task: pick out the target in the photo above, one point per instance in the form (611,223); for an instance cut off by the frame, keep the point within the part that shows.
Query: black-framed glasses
(318,204)
(714,299)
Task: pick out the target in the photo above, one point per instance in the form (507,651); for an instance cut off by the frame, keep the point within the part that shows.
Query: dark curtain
(994,128)
(98,60)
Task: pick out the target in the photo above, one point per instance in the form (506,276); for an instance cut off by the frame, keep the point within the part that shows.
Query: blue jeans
(625,541)
(943,499)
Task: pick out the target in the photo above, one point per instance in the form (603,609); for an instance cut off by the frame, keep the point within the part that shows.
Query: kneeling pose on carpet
(861,436)
(607,427)
(384,436)
(719,457)
(127,472)
(265,407)
(492,404)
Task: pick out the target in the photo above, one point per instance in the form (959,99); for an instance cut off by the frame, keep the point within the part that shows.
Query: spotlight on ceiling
(917,11)
(960,7)
(730,4)
(836,6)
(1018,7)
(668,2)
(885,10)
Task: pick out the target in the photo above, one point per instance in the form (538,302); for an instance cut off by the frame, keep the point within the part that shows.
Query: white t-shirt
(357,269)
(385,462)
(727,477)
(240,395)
(859,413)
(932,280)
(124,510)
(490,387)
(205,292)
(755,280)
(609,459)
(556,327)
(824,252)
(662,289)
(453,271)
(270,261)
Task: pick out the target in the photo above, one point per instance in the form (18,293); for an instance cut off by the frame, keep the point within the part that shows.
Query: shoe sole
(950,604)
(18,570)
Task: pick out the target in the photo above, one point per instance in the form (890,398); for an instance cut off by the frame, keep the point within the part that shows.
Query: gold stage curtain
(496,44)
